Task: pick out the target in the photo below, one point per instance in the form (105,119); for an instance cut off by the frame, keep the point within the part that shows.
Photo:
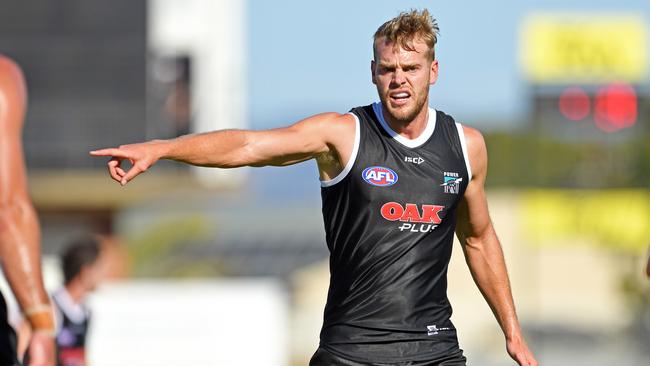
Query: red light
(574,103)
(616,107)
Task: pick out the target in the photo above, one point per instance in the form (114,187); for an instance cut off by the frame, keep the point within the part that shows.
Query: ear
(373,66)
(83,274)
(433,73)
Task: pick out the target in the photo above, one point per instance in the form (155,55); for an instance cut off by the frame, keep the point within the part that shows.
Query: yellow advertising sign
(618,219)
(587,49)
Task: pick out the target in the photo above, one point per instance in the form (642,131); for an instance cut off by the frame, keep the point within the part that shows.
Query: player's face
(92,275)
(402,78)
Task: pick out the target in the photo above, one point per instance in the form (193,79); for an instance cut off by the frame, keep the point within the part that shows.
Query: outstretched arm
(326,136)
(483,252)
(19,231)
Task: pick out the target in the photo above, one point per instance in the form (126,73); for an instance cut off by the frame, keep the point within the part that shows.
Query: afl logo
(379,176)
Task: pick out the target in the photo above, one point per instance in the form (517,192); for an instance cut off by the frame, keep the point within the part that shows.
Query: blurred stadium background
(207,266)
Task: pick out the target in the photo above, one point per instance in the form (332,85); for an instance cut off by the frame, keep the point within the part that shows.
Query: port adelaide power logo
(379,176)
(451,182)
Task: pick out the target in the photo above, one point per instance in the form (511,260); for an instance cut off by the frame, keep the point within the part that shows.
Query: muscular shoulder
(340,132)
(337,132)
(334,123)
(331,128)
(476,150)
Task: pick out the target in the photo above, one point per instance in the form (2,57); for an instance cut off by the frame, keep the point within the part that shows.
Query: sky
(307,57)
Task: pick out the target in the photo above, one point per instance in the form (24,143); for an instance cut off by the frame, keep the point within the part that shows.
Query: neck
(409,129)
(76,291)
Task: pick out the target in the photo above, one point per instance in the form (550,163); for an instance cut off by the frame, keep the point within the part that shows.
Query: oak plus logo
(379,176)
(451,182)
(412,217)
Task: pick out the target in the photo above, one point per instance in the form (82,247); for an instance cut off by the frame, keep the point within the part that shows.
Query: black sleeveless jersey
(72,331)
(389,223)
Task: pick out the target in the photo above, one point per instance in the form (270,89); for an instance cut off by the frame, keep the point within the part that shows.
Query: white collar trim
(76,312)
(412,143)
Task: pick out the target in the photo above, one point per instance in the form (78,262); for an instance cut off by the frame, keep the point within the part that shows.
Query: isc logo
(379,176)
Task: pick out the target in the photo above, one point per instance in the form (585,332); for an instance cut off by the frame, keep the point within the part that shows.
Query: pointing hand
(141,156)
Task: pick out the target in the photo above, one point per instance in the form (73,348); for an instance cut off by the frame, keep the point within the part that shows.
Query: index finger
(109,152)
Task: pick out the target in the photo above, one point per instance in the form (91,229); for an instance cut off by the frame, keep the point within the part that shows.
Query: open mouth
(399,97)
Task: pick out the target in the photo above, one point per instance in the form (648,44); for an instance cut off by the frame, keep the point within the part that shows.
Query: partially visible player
(82,272)
(19,230)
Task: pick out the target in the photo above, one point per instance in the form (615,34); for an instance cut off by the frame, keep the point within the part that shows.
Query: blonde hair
(408,27)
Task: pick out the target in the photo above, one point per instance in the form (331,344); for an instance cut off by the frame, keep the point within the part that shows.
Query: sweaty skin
(19,230)
(402,78)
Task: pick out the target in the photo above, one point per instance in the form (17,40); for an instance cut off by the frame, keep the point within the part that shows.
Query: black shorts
(323,357)
(8,353)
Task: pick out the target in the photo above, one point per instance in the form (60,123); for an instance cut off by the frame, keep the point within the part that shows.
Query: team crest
(451,182)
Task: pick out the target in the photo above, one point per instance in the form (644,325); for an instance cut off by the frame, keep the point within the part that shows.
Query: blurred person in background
(82,265)
(82,273)
(19,230)
(398,178)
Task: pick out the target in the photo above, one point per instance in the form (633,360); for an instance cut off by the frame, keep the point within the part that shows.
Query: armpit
(328,159)
(328,165)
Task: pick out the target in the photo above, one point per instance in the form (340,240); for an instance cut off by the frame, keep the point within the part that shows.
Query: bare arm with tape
(19,230)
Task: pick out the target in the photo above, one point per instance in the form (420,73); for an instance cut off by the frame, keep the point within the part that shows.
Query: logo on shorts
(379,176)
(451,182)
(433,329)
